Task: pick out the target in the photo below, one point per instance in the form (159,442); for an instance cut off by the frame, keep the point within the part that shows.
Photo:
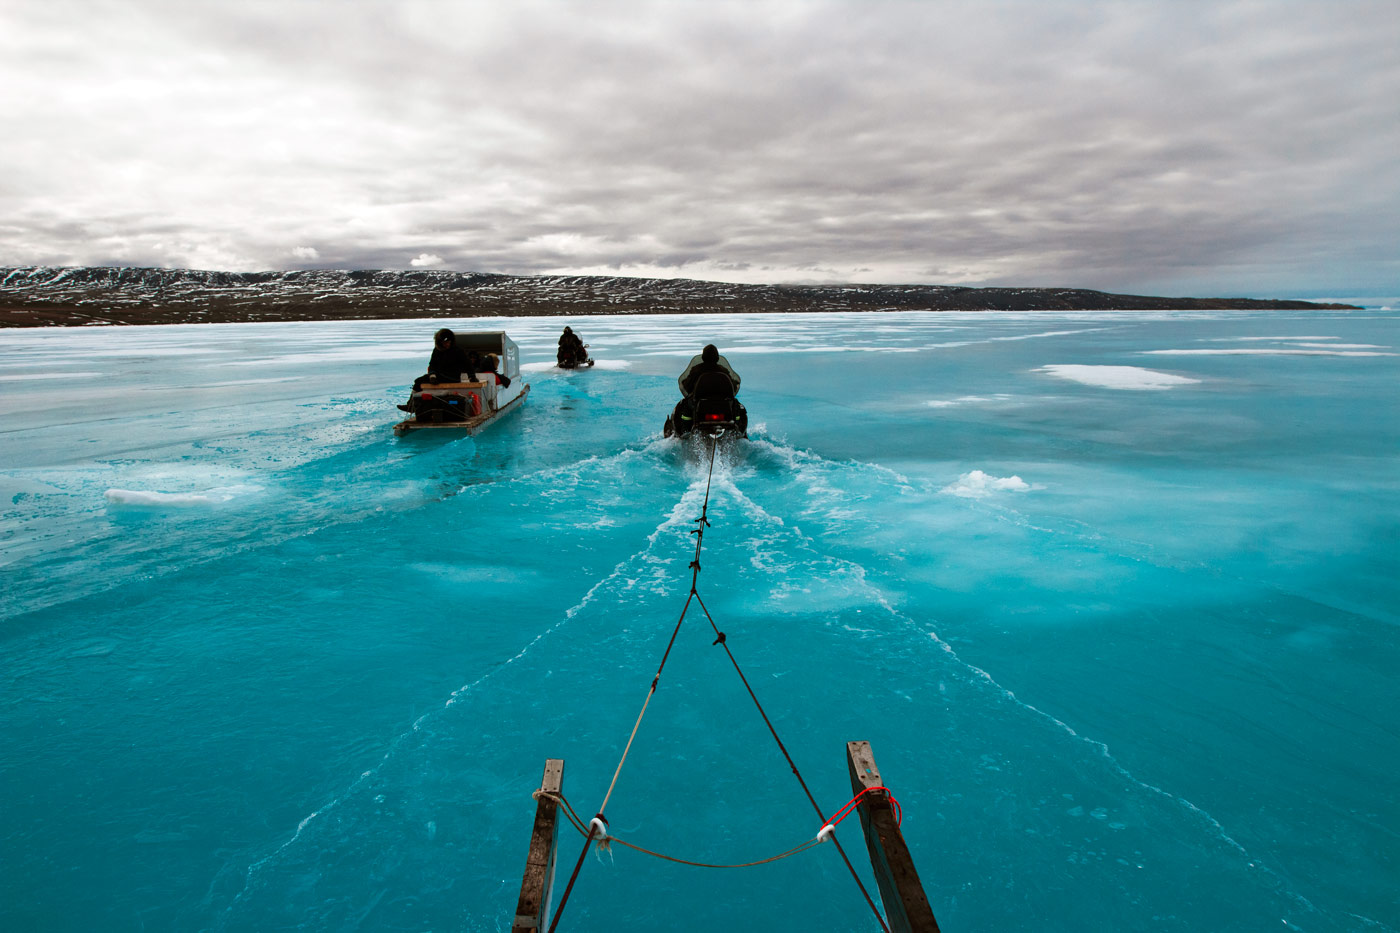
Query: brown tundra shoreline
(40,296)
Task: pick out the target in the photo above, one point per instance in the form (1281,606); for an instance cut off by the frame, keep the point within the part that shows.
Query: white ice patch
(254,382)
(545,367)
(355,354)
(978,485)
(27,377)
(1117,377)
(965,400)
(971,343)
(1307,345)
(1344,346)
(1272,351)
(145,499)
(829,348)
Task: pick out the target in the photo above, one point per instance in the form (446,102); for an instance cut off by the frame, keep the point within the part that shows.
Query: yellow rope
(579,825)
(630,739)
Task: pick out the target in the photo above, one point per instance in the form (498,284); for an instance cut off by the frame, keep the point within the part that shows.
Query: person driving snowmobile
(708,381)
(572,350)
(708,361)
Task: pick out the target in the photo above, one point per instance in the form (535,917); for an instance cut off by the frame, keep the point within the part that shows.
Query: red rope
(848,808)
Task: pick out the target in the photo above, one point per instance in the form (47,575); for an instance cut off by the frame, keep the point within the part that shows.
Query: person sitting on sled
(449,362)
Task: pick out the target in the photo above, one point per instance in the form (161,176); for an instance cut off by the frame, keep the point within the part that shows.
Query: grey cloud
(1237,147)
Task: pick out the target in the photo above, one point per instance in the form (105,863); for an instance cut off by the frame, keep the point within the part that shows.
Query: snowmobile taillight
(715,417)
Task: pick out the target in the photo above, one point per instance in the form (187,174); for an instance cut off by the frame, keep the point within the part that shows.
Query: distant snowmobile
(574,357)
(573,352)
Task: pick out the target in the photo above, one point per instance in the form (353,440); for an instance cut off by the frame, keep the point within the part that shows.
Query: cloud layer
(1172,147)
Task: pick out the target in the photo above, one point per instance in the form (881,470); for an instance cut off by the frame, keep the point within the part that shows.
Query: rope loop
(855,801)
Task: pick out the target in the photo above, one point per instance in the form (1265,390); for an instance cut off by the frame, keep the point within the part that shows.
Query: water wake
(651,571)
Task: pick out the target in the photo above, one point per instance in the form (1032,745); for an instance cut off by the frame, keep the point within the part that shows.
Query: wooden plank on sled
(471,425)
(532,910)
(907,908)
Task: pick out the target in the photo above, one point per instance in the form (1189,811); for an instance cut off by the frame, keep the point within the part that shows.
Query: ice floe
(979,485)
(1116,377)
(1297,350)
(544,366)
(29,377)
(1308,345)
(966,400)
(148,499)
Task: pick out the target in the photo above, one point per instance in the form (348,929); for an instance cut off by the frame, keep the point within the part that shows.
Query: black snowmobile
(711,409)
(574,357)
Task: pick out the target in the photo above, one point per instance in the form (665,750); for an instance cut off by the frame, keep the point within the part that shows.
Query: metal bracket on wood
(536,890)
(907,908)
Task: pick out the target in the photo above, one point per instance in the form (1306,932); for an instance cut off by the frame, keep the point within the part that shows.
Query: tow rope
(597,827)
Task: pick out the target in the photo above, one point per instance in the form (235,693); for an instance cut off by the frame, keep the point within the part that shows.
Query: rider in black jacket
(708,376)
(449,363)
(709,361)
(571,349)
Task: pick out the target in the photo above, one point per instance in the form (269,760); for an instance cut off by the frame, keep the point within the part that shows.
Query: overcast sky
(1167,147)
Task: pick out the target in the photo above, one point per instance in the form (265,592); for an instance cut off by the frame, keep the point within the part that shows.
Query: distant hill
(41,296)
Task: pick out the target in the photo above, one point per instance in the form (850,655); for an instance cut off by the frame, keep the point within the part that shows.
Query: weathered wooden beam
(907,908)
(536,890)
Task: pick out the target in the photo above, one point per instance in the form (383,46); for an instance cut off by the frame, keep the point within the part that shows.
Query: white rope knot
(599,827)
(826,832)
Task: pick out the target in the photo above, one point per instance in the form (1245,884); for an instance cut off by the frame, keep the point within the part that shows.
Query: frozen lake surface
(1113,596)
